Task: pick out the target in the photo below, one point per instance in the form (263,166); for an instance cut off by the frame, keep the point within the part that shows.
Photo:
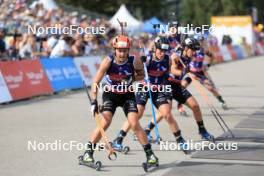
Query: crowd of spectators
(18,42)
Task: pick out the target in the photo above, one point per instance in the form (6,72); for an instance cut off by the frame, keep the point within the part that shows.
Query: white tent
(124,15)
(48,4)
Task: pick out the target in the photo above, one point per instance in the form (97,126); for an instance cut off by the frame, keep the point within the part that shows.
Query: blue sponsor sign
(62,73)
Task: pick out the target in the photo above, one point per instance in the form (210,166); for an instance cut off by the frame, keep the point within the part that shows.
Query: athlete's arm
(99,76)
(174,65)
(139,70)
(211,56)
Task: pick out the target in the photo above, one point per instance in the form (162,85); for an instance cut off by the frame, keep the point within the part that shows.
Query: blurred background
(233,30)
(15,16)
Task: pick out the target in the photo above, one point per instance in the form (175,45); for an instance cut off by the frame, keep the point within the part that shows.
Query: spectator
(51,43)
(63,47)
(226,40)
(78,46)
(28,47)
(246,46)
(3,53)
(88,44)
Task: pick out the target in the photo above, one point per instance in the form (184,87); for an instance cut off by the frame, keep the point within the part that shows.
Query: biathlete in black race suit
(175,37)
(180,93)
(199,69)
(158,67)
(119,69)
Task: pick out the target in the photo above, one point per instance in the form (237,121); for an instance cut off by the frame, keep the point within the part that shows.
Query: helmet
(174,24)
(199,37)
(191,43)
(162,42)
(121,41)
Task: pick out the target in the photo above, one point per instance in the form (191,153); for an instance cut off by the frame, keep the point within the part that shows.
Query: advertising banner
(4,92)
(62,73)
(87,67)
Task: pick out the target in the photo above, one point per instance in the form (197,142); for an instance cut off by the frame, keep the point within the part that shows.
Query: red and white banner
(36,77)
(4,92)
(25,78)
(88,66)
(15,79)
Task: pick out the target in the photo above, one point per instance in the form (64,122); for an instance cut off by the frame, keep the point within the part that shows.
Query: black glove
(143,59)
(94,107)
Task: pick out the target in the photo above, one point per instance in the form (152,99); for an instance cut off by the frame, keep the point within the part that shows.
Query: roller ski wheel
(146,166)
(95,165)
(126,149)
(120,148)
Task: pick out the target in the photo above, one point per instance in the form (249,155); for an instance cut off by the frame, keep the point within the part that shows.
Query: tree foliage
(197,12)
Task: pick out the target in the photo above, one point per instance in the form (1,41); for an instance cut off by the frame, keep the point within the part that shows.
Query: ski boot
(88,160)
(119,147)
(152,162)
(206,136)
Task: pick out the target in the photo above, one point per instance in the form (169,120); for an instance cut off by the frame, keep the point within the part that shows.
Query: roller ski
(152,162)
(207,136)
(157,141)
(119,147)
(151,140)
(150,137)
(183,146)
(88,160)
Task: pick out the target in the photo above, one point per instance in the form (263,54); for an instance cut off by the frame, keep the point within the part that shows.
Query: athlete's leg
(126,125)
(194,106)
(96,136)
